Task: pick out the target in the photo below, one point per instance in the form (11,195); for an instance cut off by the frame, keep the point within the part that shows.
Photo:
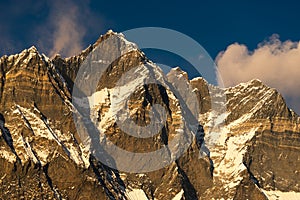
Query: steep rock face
(246,145)
(258,128)
(39,151)
(169,181)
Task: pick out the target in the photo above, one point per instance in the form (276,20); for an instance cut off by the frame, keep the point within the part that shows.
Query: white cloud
(274,62)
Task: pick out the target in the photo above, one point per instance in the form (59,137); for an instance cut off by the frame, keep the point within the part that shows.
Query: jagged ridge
(42,155)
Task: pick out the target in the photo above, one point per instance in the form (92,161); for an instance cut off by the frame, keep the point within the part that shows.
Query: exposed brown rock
(42,156)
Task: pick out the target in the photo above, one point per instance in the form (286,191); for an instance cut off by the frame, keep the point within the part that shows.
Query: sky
(247,39)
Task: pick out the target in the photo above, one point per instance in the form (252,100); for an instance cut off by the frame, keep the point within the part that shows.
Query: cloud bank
(274,62)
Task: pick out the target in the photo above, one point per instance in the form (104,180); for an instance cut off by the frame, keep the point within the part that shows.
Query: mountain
(246,141)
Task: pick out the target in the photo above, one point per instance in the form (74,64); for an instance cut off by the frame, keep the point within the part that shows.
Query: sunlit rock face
(247,149)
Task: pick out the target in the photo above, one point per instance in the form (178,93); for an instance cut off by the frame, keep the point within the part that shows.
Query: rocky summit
(245,141)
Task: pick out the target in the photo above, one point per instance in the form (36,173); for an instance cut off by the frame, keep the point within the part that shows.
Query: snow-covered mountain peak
(117,37)
(33,49)
(248,150)
(254,83)
(179,73)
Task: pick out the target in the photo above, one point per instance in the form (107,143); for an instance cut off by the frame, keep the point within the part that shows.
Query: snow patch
(279,195)
(9,156)
(179,195)
(227,148)
(41,127)
(136,194)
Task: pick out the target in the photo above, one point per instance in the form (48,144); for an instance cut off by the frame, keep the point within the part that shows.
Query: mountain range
(248,145)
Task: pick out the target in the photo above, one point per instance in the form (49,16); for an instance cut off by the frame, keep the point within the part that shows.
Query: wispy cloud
(67,24)
(68,32)
(274,62)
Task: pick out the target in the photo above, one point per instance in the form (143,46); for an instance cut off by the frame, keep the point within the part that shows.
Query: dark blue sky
(214,24)
(67,27)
